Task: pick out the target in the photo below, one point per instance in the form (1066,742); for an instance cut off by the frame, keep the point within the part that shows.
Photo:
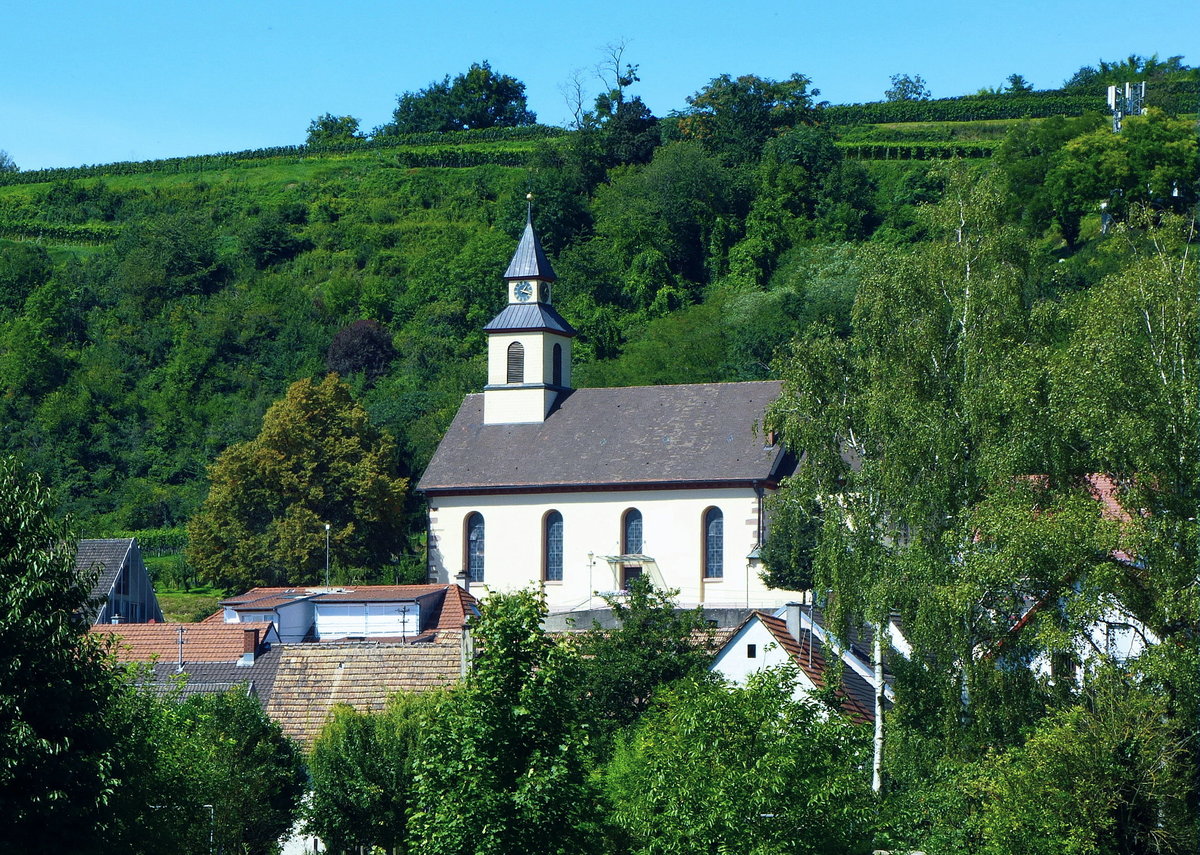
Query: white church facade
(580,490)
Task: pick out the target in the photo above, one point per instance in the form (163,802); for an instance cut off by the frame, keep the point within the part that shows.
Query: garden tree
(1108,775)
(364,346)
(331,130)
(57,747)
(1123,388)
(317,461)
(1152,158)
(251,773)
(905,423)
(734,117)
(180,755)
(651,644)
(712,768)
(361,773)
(502,765)
(907,87)
(477,98)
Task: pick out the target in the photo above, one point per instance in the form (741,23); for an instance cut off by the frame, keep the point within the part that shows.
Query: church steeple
(529,343)
(529,261)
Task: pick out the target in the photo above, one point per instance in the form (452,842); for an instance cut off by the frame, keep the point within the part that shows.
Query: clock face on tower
(523,291)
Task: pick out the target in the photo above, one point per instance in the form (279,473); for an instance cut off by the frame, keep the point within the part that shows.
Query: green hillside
(151,311)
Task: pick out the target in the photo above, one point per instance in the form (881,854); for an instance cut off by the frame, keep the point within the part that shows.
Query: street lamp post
(326,555)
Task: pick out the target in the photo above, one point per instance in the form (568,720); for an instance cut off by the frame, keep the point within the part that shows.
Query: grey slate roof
(529,316)
(638,436)
(529,261)
(205,677)
(110,555)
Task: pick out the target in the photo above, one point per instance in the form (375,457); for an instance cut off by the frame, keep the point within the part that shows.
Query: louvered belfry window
(516,363)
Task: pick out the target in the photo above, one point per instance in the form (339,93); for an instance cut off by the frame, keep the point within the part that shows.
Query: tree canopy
(330,129)
(317,461)
(57,745)
(477,98)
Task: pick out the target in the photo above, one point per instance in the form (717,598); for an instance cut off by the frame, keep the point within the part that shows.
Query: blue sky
(101,81)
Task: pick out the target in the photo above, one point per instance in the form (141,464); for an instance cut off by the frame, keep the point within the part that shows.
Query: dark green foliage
(740,770)
(477,98)
(735,117)
(502,768)
(57,745)
(361,771)
(331,130)
(651,644)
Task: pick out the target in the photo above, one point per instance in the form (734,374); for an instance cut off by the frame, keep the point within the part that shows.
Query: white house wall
(735,663)
(367,620)
(673,536)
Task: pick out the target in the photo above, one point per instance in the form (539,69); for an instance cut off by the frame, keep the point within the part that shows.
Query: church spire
(529,261)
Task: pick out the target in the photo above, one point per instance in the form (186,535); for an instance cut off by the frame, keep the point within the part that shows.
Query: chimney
(115,619)
(468,648)
(249,646)
(463,580)
(792,618)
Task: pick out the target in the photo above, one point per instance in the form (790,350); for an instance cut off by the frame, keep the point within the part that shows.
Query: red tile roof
(811,660)
(202,642)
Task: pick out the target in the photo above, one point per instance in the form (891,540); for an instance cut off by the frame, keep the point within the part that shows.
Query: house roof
(855,695)
(528,317)
(638,436)
(312,678)
(208,677)
(110,555)
(529,261)
(202,642)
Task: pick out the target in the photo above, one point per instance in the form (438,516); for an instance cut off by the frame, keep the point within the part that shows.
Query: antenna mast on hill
(1130,102)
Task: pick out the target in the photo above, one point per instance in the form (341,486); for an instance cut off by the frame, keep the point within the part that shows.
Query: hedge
(1173,97)
(917,150)
(229,160)
(92,233)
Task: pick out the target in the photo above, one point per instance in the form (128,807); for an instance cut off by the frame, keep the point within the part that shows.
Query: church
(581,490)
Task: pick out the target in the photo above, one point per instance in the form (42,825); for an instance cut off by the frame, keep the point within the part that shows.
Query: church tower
(529,343)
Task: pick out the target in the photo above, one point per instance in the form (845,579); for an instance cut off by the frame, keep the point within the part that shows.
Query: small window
(714,544)
(751,651)
(475,547)
(122,583)
(554,546)
(516,362)
(631,532)
(556,367)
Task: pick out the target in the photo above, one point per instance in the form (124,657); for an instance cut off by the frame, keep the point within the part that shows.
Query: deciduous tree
(316,461)
(477,98)
(57,746)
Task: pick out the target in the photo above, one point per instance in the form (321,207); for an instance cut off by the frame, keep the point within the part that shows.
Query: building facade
(580,490)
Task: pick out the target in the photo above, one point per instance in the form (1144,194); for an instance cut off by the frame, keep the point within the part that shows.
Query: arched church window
(554,547)
(714,544)
(516,363)
(631,532)
(556,368)
(475,547)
